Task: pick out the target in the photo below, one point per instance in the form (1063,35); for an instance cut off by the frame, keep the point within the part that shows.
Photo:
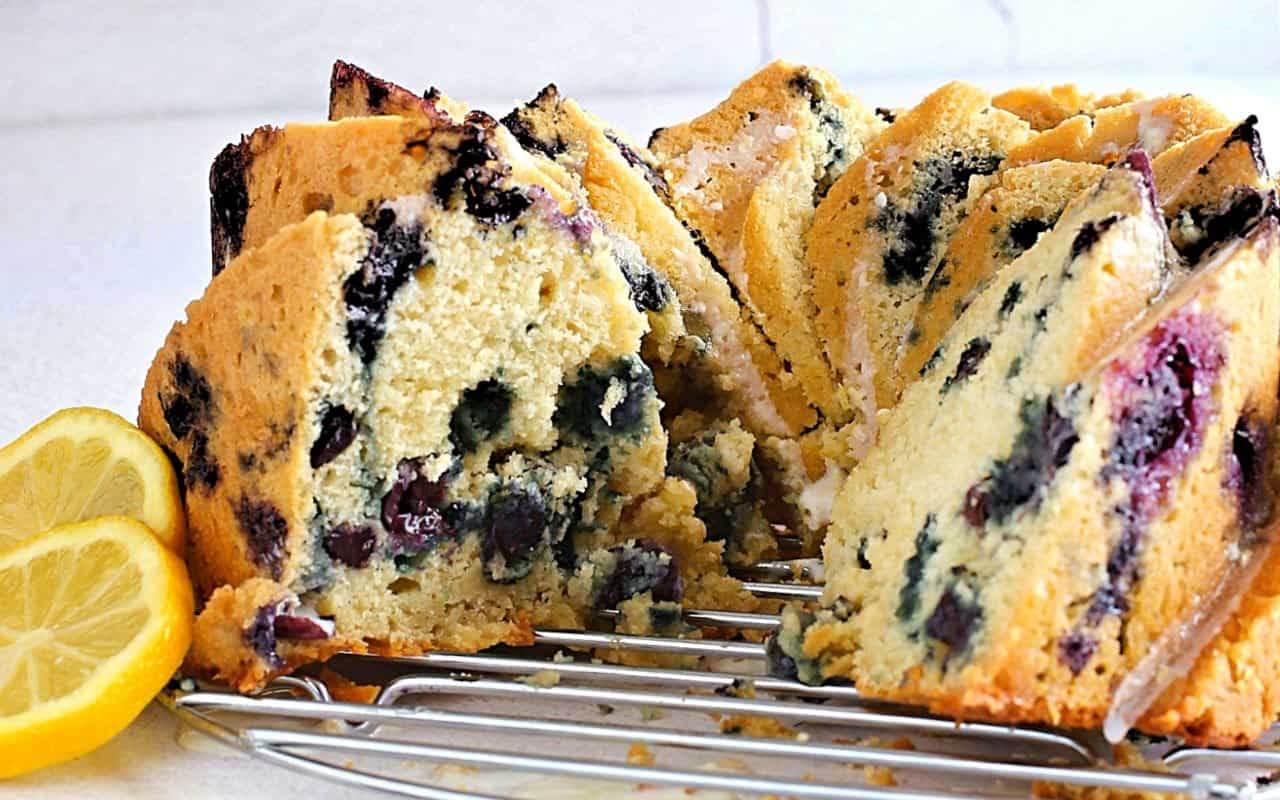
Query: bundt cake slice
(1046,107)
(745,178)
(880,233)
(353,92)
(1210,189)
(414,428)
(1046,502)
(1105,135)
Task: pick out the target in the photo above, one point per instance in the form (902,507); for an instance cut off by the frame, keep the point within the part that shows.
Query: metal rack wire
(296,723)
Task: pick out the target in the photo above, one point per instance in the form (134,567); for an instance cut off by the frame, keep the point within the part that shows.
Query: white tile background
(111,112)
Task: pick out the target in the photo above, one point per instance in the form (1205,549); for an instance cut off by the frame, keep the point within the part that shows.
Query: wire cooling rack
(603,727)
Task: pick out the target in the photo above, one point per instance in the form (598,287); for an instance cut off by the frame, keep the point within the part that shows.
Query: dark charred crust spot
(337,432)
(229,200)
(1090,233)
(265,532)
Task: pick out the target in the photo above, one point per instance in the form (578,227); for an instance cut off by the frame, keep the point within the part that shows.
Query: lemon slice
(95,617)
(83,463)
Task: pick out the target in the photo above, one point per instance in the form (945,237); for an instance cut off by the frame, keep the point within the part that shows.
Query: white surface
(109,118)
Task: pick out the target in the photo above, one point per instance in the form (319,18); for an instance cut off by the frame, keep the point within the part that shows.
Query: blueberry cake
(880,233)
(1046,107)
(1098,475)
(416,426)
(746,177)
(1107,134)
(1210,188)
(353,92)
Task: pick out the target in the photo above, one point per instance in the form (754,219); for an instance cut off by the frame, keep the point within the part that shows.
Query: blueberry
(482,412)
(1043,444)
(518,522)
(909,226)
(1246,474)
(723,507)
(886,114)
(1229,220)
(337,432)
(784,649)
(265,531)
(580,411)
(477,173)
(288,626)
(411,509)
(931,362)
(953,620)
(261,636)
(1022,234)
(201,470)
(1012,296)
(395,252)
(1138,161)
(1090,233)
(649,291)
(967,365)
(1075,650)
(350,544)
(1247,132)
(642,567)
(927,544)
(190,406)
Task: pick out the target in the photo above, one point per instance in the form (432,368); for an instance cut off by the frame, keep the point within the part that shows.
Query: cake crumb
(344,690)
(640,755)
(879,776)
(763,727)
(542,679)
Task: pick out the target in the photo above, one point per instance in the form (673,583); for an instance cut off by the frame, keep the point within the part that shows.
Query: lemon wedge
(96,616)
(83,463)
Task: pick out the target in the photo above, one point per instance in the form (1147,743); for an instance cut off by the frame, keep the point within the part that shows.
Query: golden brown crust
(1045,107)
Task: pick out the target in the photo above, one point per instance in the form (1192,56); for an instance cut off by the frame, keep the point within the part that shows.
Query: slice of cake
(1107,134)
(1211,188)
(880,233)
(1035,517)
(353,92)
(414,428)
(1046,107)
(746,176)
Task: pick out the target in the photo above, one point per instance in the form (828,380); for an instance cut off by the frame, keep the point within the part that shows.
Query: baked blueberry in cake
(880,233)
(746,176)
(1060,487)
(1045,107)
(1210,188)
(408,427)
(726,368)
(353,92)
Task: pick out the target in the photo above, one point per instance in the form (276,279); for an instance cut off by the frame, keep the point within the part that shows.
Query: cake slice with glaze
(1090,489)
(417,426)
(746,177)
(880,233)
